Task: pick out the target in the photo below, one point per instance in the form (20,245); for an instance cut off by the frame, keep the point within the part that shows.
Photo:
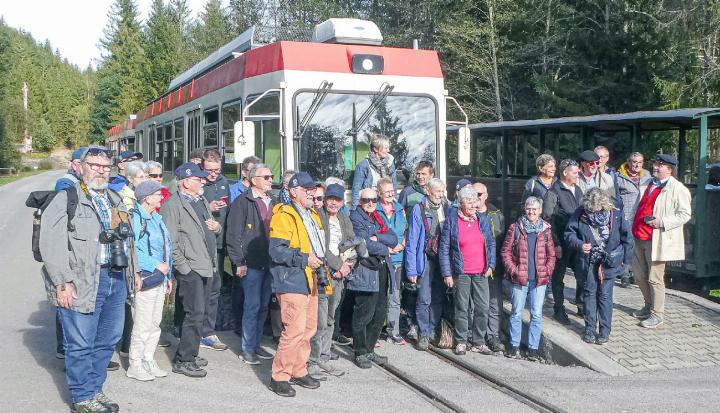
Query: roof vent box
(348,31)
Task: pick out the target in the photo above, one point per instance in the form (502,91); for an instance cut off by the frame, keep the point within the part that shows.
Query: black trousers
(569,259)
(127,329)
(194,291)
(369,314)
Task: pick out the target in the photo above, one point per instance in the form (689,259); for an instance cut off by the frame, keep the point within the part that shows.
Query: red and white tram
(304,105)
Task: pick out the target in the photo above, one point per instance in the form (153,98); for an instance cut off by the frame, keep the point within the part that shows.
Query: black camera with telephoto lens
(116,237)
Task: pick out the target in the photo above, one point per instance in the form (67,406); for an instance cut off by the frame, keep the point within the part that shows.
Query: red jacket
(515,255)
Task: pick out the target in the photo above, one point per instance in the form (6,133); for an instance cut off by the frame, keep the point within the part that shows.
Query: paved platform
(689,337)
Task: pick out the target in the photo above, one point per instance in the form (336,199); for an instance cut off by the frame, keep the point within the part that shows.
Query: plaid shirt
(103,207)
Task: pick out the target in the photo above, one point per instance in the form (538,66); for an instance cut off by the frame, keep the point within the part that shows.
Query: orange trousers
(299,317)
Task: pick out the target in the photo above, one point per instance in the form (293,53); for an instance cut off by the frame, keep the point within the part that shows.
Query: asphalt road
(33,379)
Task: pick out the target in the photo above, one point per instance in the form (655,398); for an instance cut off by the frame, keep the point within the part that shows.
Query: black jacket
(559,204)
(246,235)
(213,191)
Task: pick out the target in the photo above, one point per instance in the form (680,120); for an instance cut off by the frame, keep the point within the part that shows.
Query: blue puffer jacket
(619,247)
(451,258)
(417,239)
(365,279)
(363,178)
(398,223)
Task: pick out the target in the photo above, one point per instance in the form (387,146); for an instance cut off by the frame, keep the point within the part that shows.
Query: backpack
(40,201)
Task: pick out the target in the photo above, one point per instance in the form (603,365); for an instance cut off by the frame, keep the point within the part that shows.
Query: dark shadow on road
(39,338)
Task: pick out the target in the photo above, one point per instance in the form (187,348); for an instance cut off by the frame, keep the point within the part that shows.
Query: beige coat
(673,208)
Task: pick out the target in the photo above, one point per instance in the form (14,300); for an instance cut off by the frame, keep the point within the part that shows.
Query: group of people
(391,264)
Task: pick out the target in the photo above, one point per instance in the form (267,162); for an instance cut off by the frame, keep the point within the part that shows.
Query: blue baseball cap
(668,159)
(77,155)
(125,155)
(146,188)
(462,184)
(302,179)
(335,190)
(188,170)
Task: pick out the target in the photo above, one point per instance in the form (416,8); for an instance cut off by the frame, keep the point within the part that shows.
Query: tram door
(265,114)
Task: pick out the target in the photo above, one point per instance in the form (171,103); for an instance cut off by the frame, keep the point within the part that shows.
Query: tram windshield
(329,147)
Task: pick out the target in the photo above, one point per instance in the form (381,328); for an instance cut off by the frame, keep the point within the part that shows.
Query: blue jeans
(431,295)
(598,299)
(536,297)
(90,339)
(256,288)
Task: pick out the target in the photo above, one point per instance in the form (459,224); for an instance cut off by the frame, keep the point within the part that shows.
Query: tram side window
(193,129)
(179,139)
(139,140)
(210,129)
(485,159)
(267,132)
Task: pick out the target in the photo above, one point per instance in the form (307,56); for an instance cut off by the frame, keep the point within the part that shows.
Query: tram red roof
(285,55)
(122,127)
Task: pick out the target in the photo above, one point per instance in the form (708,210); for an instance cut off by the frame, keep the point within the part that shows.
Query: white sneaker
(137,371)
(153,368)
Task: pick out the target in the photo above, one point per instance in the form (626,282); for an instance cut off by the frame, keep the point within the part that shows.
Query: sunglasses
(368,200)
(155,175)
(98,151)
(265,177)
(592,162)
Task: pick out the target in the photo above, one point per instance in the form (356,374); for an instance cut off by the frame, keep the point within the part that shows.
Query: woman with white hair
(467,259)
(600,234)
(134,173)
(378,164)
(154,171)
(529,257)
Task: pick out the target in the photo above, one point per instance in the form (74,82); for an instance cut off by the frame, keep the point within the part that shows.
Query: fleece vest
(640,229)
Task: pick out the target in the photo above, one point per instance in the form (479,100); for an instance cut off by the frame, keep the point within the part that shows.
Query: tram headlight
(368,64)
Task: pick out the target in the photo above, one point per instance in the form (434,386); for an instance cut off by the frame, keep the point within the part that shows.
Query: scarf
(381,166)
(317,242)
(375,215)
(434,210)
(284,196)
(601,221)
(537,227)
(466,218)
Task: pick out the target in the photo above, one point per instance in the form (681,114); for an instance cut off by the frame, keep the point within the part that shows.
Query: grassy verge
(6,179)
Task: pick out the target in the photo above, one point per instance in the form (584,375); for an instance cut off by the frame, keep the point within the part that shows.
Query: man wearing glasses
(560,202)
(119,181)
(248,231)
(89,293)
(592,176)
(217,193)
(194,231)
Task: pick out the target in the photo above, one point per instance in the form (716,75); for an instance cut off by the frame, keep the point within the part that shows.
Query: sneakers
(60,355)
(363,361)
(188,368)
(90,406)
(249,358)
(561,317)
(460,349)
(398,340)
(305,381)
(482,349)
(153,368)
(601,341)
(625,281)
(588,337)
(532,355)
(642,313)
(137,371)
(213,343)
(423,343)
(316,372)
(112,366)
(330,369)
(412,333)
(377,359)
(652,322)
(200,362)
(495,344)
(334,356)
(263,354)
(105,401)
(281,388)
(341,340)
(123,353)
(163,342)
(514,353)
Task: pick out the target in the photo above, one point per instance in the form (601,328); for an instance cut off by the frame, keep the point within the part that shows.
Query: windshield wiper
(320,95)
(377,100)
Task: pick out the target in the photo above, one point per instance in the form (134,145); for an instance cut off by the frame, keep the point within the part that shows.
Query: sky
(75,27)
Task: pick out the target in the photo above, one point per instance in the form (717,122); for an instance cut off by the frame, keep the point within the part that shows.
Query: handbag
(152,279)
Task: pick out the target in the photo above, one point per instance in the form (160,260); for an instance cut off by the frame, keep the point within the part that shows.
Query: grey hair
(252,173)
(134,168)
(566,164)
(467,192)
(597,199)
(384,181)
(600,147)
(287,176)
(333,180)
(543,160)
(533,200)
(252,159)
(368,189)
(635,155)
(436,183)
(149,165)
(378,140)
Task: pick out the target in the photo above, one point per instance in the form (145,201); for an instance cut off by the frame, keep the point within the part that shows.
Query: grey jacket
(631,193)
(74,256)
(334,261)
(190,248)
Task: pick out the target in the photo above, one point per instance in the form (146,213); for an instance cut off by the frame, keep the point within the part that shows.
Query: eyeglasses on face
(368,200)
(212,171)
(479,194)
(265,177)
(98,151)
(155,175)
(318,198)
(98,167)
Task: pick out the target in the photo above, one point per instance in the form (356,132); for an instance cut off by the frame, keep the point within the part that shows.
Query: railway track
(444,404)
